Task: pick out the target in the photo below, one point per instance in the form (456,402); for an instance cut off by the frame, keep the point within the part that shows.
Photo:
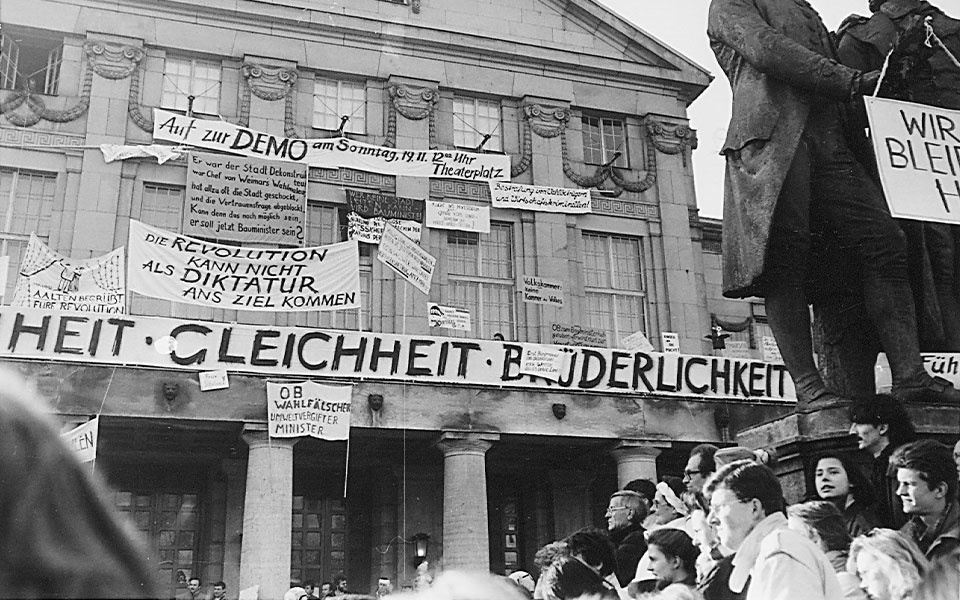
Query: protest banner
(670,342)
(183,269)
(937,364)
(406,258)
(547,362)
(575,335)
(247,200)
(4,274)
(112,152)
(448,317)
(637,342)
(370,231)
(736,349)
(50,280)
(83,440)
(330,153)
(542,198)
(194,345)
(309,409)
(369,204)
(461,217)
(542,291)
(918,155)
(771,351)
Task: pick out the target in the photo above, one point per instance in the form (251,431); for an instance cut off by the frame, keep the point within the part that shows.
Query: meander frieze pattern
(10,136)
(461,190)
(415,104)
(353,178)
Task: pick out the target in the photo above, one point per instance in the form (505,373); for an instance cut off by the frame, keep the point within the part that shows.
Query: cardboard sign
(406,258)
(183,269)
(542,291)
(461,217)
(918,154)
(637,342)
(83,440)
(50,280)
(309,409)
(214,380)
(670,342)
(448,317)
(771,351)
(248,200)
(370,231)
(369,204)
(562,334)
(194,345)
(547,362)
(541,198)
(330,153)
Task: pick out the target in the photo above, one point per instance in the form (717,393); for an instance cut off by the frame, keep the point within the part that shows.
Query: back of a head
(725,456)
(884,409)
(706,452)
(826,519)
(674,483)
(942,579)
(594,547)
(58,535)
(889,552)
(570,577)
(932,460)
(679,591)
(748,479)
(467,585)
(644,487)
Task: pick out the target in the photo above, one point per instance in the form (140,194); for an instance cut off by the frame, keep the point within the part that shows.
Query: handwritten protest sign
(404,256)
(369,204)
(670,342)
(637,342)
(918,155)
(50,280)
(771,351)
(249,200)
(736,349)
(330,153)
(548,362)
(83,440)
(462,217)
(184,269)
(576,335)
(542,198)
(309,409)
(370,231)
(542,291)
(448,317)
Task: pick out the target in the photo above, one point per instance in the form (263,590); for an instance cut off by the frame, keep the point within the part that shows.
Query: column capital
(452,443)
(256,436)
(624,449)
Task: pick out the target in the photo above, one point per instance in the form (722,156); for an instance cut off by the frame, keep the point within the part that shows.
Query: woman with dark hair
(571,577)
(822,522)
(673,557)
(839,480)
(59,538)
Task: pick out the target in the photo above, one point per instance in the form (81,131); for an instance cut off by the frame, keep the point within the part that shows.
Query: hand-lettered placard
(461,217)
(541,198)
(404,256)
(309,409)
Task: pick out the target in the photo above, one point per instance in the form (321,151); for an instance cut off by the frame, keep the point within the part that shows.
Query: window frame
(10,237)
(606,154)
(472,127)
(40,48)
(614,292)
(338,111)
(177,92)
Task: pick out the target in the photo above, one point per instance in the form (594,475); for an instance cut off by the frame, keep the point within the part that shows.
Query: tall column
(466,539)
(267,513)
(635,460)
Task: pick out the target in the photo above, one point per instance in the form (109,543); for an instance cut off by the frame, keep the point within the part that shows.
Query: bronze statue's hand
(867,83)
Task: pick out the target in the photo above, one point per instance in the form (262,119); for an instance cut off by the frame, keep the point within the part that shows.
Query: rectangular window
(327,225)
(334,99)
(184,77)
(161,207)
(614,291)
(26,203)
(29,61)
(602,139)
(481,273)
(474,118)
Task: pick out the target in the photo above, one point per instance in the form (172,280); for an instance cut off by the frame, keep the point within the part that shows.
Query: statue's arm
(739,25)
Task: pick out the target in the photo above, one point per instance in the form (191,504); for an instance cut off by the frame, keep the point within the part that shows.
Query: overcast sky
(682,25)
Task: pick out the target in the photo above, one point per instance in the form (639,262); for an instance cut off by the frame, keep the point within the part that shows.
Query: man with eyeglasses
(747,508)
(700,465)
(624,517)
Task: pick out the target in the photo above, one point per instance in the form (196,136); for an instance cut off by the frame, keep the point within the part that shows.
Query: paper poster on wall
(174,267)
(670,342)
(330,153)
(771,351)
(448,317)
(461,217)
(83,440)
(548,362)
(637,342)
(50,280)
(309,409)
(370,231)
(542,291)
(370,204)
(406,258)
(918,155)
(563,334)
(246,200)
(736,349)
(4,274)
(541,198)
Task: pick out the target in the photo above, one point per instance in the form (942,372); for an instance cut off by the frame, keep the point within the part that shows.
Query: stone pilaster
(267,513)
(466,539)
(635,460)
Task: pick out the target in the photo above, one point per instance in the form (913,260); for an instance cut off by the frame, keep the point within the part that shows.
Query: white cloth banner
(918,153)
(330,153)
(112,152)
(548,362)
(309,409)
(448,317)
(542,198)
(184,269)
(4,274)
(50,280)
(370,231)
(461,217)
(83,439)
(404,256)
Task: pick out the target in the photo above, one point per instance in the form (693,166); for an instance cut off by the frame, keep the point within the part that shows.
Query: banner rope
(931,35)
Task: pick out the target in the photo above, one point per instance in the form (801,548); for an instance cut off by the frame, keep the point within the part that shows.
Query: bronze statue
(792,178)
